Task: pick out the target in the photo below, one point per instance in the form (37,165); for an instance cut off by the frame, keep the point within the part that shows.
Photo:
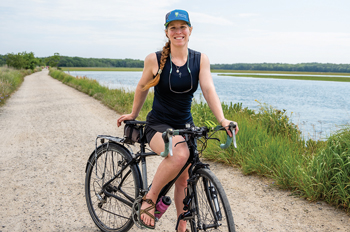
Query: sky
(228,31)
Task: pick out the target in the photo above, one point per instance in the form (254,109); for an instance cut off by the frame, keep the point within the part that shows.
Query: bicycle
(114,184)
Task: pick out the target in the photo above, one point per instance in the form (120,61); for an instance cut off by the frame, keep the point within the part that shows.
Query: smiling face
(178,32)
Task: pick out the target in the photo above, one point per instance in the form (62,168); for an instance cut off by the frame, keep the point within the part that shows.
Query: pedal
(136,207)
(182,217)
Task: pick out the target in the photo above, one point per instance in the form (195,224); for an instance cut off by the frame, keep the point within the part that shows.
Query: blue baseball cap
(177,15)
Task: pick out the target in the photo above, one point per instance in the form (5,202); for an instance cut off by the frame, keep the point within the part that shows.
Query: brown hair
(165,54)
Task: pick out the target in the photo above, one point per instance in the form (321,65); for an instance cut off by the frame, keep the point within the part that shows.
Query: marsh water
(317,107)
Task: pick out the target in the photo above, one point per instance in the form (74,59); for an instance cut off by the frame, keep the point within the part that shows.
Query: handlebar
(229,139)
(198,132)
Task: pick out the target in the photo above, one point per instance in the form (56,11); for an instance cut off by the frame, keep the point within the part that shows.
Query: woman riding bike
(175,73)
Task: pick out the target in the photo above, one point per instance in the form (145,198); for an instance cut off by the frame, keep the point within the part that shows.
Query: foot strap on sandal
(146,211)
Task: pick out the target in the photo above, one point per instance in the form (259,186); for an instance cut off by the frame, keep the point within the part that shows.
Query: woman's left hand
(225,124)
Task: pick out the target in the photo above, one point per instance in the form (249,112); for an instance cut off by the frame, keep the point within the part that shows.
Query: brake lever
(168,142)
(229,139)
(233,131)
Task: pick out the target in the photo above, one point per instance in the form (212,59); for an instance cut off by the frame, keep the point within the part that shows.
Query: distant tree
(21,60)
(15,60)
(53,60)
(3,60)
(41,61)
(30,62)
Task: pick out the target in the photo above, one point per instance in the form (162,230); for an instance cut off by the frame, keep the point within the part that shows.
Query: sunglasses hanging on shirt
(180,74)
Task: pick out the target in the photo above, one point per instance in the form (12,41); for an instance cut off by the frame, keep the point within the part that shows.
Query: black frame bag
(132,133)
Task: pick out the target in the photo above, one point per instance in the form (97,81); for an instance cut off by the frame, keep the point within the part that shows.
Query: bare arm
(149,70)
(209,92)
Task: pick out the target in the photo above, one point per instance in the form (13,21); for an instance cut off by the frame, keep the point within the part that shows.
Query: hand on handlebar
(169,133)
(231,130)
(226,124)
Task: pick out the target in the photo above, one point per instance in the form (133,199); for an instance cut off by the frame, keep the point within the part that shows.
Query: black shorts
(154,125)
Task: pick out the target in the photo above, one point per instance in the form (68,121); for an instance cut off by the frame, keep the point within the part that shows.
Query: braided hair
(165,55)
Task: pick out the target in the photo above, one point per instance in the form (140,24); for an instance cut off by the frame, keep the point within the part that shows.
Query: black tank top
(174,93)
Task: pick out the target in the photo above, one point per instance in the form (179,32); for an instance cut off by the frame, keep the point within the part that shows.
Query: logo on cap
(176,14)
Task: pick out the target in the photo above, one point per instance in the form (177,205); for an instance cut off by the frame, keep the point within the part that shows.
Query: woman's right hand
(123,118)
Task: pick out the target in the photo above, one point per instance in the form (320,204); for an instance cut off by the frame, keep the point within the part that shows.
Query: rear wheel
(109,190)
(213,211)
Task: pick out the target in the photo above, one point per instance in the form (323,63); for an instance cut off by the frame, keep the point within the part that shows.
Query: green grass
(268,144)
(10,80)
(310,78)
(99,69)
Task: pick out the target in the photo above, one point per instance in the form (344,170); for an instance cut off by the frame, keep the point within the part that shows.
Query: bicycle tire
(109,213)
(207,218)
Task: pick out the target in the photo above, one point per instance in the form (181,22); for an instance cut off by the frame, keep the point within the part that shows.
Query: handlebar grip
(166,151)
(227,144)
(168,142)
(230,139)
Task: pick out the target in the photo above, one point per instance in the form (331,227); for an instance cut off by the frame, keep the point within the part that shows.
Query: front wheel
(111,187)
(212,208)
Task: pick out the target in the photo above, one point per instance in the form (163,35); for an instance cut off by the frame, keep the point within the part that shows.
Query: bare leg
(167,169)
(179,195)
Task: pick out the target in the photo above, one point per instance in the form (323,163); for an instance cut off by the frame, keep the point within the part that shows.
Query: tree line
(27,60)
(66,61)
(24,60)
(301,67)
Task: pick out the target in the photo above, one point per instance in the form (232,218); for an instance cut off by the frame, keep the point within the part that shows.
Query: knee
(180,157)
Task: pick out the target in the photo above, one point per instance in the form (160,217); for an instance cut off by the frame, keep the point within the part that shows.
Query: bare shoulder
(152,57)
(204,59)
(205,64)
(151,63)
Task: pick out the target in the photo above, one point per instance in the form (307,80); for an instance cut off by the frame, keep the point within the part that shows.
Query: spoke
(115,209)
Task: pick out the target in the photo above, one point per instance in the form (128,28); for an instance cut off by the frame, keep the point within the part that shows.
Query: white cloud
(227,32)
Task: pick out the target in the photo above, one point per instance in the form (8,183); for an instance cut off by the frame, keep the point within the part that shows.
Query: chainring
(136,207)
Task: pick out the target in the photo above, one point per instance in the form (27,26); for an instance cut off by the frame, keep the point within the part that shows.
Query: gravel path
(48,130)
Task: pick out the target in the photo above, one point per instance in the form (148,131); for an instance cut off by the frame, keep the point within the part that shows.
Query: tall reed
(10,80)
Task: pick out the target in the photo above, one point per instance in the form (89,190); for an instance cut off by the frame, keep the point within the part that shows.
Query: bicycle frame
(200,180)
(141,156)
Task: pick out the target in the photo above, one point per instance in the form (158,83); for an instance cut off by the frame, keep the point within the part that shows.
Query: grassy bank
(10,80)
(279,72)
(268,145)
(251,73)
(309,78)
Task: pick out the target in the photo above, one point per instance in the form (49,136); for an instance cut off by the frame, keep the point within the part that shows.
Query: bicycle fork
(214,196)
(191,205)
(188,207)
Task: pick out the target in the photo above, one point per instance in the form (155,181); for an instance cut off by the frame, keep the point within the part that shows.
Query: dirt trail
(48,130)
